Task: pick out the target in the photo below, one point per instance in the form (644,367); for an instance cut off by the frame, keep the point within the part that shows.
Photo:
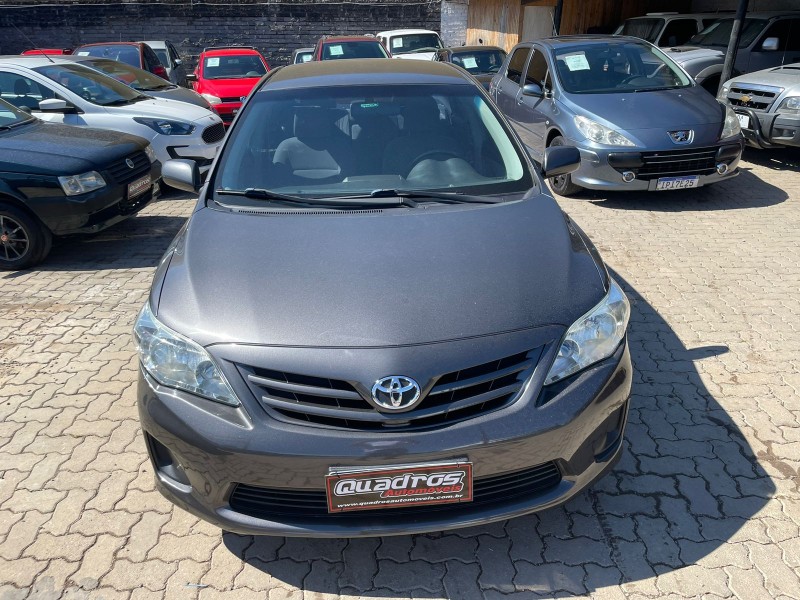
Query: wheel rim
(14,241)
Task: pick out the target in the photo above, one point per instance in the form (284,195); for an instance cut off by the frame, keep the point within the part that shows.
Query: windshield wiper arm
(448,197)
(338,202)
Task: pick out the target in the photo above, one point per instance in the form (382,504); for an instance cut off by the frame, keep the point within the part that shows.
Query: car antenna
(30,41)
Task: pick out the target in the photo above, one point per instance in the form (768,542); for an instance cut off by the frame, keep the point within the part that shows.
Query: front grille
(231,99)
(454,396)
(270,502)
(121,172)
(760,98)
(693,161)
(214,133)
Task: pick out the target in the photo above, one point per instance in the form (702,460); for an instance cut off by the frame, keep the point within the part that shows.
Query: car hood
(180,94)
(783,77)
(664,109)
(228,88)
(683,54)
(165,109)
(377,278)
(53,149)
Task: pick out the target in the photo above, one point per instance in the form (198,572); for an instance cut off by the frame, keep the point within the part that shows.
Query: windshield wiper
(659,89)
(166,86)
(17,124)
(124,101)
(446,197)
(337,202)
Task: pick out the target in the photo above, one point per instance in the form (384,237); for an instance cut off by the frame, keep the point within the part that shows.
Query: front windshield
(236,66)
(719,33)
(645,29)
(90,85)
(136,78)
(366,49)
(617,68)
(414,42)
(480,61)
(11,115)
(339,141)
(121,52)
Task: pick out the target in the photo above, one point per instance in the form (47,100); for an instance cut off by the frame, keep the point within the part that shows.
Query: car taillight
(160,71)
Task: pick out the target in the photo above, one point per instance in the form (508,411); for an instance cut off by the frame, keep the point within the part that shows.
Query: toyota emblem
(682,136)
(395,393)
(130,163)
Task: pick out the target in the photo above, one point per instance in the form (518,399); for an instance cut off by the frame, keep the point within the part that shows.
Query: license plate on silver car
(744,121)
(677,183)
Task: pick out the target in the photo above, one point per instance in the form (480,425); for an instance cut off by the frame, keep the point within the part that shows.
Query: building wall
(454,22)
(276,27)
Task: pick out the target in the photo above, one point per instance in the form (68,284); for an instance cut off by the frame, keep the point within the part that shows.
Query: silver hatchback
(638,119)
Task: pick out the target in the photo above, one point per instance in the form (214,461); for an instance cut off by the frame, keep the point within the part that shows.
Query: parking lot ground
(705,501)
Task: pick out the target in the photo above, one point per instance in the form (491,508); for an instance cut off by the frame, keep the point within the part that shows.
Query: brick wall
(454,22)
(274,27)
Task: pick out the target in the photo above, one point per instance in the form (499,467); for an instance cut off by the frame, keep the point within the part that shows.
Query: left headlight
(601,134)
(166,126)
(731,126)
(151,154)
(593,337)
(176,361)
(80,184)
(791,104)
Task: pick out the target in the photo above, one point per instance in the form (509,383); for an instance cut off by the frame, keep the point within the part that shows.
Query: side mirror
(560,160)
(533,89)
(25,109)
(177,62)
(181,173)
(56,105)
(770,44)
(191,77)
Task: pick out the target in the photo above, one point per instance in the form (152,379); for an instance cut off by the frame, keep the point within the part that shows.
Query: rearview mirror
(533,89)
(56,105)
(560,160)
(191,77)
(181,173)
(770,44)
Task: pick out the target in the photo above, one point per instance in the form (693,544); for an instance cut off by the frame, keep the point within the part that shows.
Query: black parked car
(482,62)
(57,180)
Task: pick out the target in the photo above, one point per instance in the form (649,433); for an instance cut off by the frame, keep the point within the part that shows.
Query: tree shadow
(687,482)
(746,190)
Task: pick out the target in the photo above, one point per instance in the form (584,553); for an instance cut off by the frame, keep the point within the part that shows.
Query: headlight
(166,126)
(593,337)
(790,103)
(176,361)
(151,154)
(212,99)
(80,184)
(600,133)
(731,126)
(722,96)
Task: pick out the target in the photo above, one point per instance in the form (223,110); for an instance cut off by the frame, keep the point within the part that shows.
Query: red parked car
(225,75)
(335,47)
(47,51)
(136,54)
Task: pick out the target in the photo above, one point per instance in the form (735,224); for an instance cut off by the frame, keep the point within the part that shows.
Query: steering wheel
(431,153)
(86,94)
(628,79)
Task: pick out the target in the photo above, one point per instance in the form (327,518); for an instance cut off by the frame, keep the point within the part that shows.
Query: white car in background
(417,44)
(167,53)
(62,91)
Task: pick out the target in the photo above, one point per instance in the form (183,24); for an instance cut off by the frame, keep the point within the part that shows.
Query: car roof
(350,38)
(366,71)
(586,39)
(111,44)
(298,50)
(765,14)
(456,49)
(155,43)
(403,31)
(231,52)
(32,61)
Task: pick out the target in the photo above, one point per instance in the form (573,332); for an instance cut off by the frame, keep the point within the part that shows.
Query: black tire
(24,242)
(562,184)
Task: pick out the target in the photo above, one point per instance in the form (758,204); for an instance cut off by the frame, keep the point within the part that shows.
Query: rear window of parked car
(338,50)
(126,54)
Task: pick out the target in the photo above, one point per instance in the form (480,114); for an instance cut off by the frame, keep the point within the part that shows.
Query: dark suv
(407,335)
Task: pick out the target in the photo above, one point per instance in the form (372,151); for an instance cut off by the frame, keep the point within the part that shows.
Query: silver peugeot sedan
(638,119)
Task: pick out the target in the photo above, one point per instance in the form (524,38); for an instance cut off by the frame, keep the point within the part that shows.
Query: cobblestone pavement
(705,502)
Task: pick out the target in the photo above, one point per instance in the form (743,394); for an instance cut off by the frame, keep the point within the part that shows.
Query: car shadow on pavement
(746,190)
(777,159)
(687,486)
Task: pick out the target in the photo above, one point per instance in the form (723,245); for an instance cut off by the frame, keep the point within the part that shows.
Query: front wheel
(562,184)
(23,241)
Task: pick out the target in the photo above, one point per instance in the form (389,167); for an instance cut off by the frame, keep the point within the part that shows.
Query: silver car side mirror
(181,173)
(54,105)
(560,160)
(770,44)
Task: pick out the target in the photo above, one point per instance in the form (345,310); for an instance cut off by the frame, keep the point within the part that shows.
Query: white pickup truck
(417,44)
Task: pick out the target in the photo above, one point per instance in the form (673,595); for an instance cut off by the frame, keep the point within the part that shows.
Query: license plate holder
(140,186)
(398,486)
(744,120)
(677,183)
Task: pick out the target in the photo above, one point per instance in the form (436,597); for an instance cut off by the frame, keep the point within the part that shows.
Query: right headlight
(601,134)
(593,337)
(176,361)
(731,126)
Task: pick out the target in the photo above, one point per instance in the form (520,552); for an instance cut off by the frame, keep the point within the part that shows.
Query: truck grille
(757,98)
(214,133)
(454,397)
(693,161)
(123,173)
(268,502)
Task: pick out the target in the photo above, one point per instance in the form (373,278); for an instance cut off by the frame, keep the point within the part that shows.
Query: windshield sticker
(83,53)
(397,42)
(470,62)
(576,62)
(336,50)
(212,62)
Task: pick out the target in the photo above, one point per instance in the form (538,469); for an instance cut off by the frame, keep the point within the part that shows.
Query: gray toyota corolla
(377,321)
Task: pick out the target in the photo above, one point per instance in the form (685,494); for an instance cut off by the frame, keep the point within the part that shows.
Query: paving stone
(360,563)
(497,570)
(444,548)
(408,576)
(549,577)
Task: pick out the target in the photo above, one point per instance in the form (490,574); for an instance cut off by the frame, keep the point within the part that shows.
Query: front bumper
(201,450)
(603,169)
(227,111)
(770,130)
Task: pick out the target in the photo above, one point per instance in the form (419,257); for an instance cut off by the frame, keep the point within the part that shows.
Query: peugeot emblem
(682,136)
(130,163)
(395,393)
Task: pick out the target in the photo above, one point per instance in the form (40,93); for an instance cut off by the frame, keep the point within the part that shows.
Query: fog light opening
(722,168)
(165,462)
(628,176)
